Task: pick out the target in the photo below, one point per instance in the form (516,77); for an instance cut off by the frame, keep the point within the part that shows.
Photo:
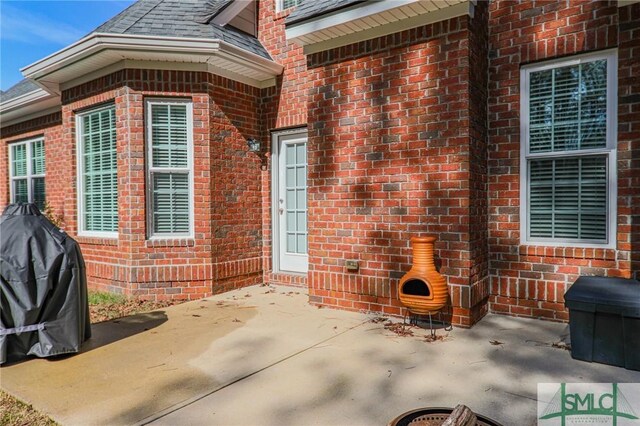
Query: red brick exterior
(226,251)
(284,106)
(413,133)
(532,280)
(391,146)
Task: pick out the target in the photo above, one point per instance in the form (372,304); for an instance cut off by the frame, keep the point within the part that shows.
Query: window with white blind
(97,173)
(26,170)
(170,168)
(568,130)
(286,4)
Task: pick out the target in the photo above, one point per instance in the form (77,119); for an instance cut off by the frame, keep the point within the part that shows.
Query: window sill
(283,13)
(171,242)
(601,253)
(97,241)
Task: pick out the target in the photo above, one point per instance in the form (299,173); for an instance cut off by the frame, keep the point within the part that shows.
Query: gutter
(97,42)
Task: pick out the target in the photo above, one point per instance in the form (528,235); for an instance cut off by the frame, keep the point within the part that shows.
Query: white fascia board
(361,10)
(231,11)
(622,3)
(22,100)
(98,42)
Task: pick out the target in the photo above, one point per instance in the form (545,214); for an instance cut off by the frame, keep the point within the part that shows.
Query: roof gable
(180,18)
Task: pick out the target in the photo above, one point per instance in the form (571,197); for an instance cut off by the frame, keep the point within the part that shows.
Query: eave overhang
(100,54)
(367,20)
(30,105)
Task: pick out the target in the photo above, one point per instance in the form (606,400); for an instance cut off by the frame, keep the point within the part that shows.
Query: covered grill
(44,302)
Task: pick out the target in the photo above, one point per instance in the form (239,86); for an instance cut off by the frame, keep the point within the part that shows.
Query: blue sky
(31,30)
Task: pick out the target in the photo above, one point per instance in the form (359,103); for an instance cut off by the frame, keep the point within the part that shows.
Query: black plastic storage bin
(604,320)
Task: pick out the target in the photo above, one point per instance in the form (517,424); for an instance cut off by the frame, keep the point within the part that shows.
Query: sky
(32,29)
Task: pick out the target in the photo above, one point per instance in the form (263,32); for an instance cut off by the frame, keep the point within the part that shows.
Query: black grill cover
(44,306)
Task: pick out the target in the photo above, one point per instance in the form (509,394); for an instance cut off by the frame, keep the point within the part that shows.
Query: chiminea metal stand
(414,319)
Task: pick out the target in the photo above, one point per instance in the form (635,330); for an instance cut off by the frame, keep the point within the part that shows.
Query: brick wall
(282,106)
(226,251)
(629,133)
(531,280)
(390,149)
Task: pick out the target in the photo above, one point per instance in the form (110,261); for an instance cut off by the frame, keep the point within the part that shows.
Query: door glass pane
(301,176)
(302,243)
(296,195)
(291,243)
(290,154)
(291,222)
(301,153)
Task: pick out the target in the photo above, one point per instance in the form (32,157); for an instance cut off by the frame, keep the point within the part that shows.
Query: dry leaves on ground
(122,308)
(16,413)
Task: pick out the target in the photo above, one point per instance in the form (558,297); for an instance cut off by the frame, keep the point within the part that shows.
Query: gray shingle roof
(179,18)
(20,88)
(308,9)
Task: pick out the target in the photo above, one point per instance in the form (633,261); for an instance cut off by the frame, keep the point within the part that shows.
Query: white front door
(290,202)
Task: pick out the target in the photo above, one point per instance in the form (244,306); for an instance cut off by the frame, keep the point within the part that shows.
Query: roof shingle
(20,88)
(308,9)
(180,18)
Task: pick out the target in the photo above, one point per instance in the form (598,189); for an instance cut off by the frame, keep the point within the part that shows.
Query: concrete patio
(263,356)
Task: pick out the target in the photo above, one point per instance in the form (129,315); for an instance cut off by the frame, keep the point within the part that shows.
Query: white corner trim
(231,11)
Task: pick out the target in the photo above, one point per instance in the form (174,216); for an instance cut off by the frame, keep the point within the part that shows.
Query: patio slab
(259,357)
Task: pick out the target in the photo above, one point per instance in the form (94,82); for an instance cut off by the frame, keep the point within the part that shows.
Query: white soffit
(101,54)
(622,3)
(369,20)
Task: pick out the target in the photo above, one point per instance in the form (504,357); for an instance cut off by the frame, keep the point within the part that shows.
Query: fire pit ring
(431,417)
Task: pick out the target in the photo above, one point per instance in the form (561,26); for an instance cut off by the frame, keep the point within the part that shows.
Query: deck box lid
(608,294)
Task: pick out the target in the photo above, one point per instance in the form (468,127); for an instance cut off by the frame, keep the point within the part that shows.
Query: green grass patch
(101,298)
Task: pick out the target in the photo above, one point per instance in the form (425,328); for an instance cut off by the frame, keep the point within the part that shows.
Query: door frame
(275,189)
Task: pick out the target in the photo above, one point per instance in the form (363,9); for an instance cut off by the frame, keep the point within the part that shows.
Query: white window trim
(152,236)
(280,3)
(29,176)
(610,150)
(80,185)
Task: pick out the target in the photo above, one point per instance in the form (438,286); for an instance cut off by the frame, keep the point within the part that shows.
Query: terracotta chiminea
(423,290)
